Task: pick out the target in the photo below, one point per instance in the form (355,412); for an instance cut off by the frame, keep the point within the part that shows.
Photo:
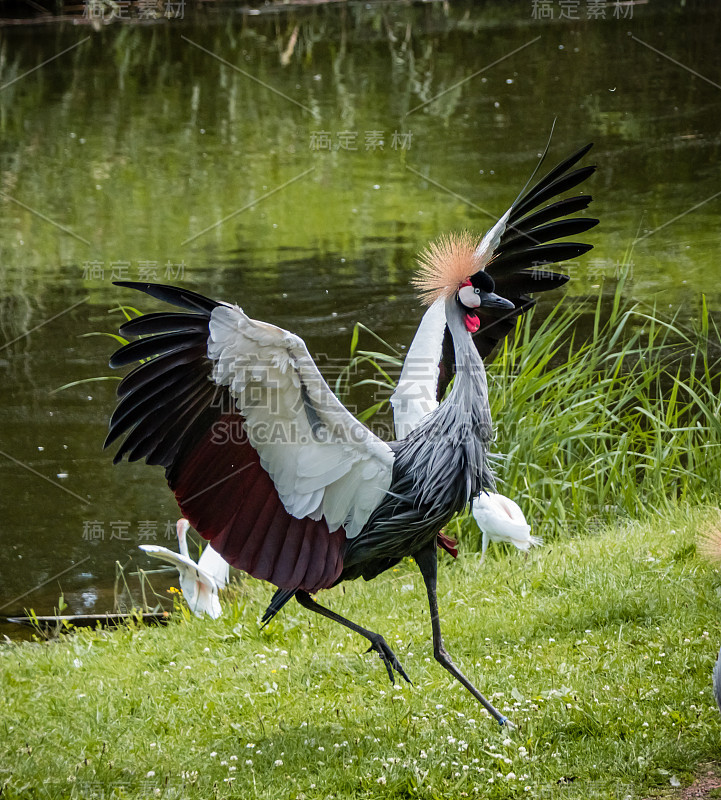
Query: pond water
(278,159)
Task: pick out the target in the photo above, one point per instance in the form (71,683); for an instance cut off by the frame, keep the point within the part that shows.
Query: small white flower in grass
(511,776)
(212,755)
(232,769)
(321,749)
(172,663)
(278,762)
(150,773)
(81,695)
(223,763)
(206,649)
(250,744)
(249,762)
(381,780)
(507,742)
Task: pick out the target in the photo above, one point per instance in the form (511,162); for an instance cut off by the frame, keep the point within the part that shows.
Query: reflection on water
(294,185)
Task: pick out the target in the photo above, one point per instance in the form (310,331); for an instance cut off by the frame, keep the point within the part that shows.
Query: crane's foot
(388,657)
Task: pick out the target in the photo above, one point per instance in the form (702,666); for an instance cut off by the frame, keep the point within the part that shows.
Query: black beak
(493,300)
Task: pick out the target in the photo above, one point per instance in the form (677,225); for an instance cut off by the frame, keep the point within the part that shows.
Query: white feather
(491,240)
(199,582)
(415,394)
(322,461)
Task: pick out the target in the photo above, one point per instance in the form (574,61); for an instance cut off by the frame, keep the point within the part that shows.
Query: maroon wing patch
(228,497)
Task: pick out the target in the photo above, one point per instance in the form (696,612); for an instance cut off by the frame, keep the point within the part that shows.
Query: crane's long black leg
(378,643)
(428,565)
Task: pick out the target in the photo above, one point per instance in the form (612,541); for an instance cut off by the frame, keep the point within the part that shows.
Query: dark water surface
(123,156)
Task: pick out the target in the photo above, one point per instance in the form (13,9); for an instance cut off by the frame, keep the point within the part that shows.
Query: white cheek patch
(467,295)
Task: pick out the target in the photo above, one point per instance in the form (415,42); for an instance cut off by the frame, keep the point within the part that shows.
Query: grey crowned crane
(269,466)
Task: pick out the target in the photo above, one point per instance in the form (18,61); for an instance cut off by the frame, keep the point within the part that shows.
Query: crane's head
(452,267)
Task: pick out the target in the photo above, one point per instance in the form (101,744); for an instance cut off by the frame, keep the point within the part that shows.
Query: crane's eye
(477,290)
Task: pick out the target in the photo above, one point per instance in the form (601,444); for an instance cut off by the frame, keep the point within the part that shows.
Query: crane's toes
(388,657)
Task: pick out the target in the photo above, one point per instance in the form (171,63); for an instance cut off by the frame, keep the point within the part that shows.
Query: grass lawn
(599,647)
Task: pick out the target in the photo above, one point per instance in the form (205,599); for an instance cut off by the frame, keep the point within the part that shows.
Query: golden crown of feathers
(445,264)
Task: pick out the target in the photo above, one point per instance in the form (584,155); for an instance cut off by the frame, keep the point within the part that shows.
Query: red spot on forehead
(466,282)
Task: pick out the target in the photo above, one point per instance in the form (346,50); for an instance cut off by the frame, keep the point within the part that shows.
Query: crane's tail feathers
(175,295)
(540,163)
(525,241)
(528,244)
(279,599)
(553,183)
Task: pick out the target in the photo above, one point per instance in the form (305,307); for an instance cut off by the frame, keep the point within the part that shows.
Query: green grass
(600,648)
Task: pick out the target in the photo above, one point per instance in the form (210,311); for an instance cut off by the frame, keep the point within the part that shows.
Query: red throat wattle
(472,323)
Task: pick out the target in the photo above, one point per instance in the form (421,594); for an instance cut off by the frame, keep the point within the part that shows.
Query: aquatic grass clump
(620,423)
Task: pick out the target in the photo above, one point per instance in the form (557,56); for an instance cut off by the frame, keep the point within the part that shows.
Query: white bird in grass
(501,520)
(199,582)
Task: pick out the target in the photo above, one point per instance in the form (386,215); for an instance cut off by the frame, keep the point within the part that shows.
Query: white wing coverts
(323,462)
